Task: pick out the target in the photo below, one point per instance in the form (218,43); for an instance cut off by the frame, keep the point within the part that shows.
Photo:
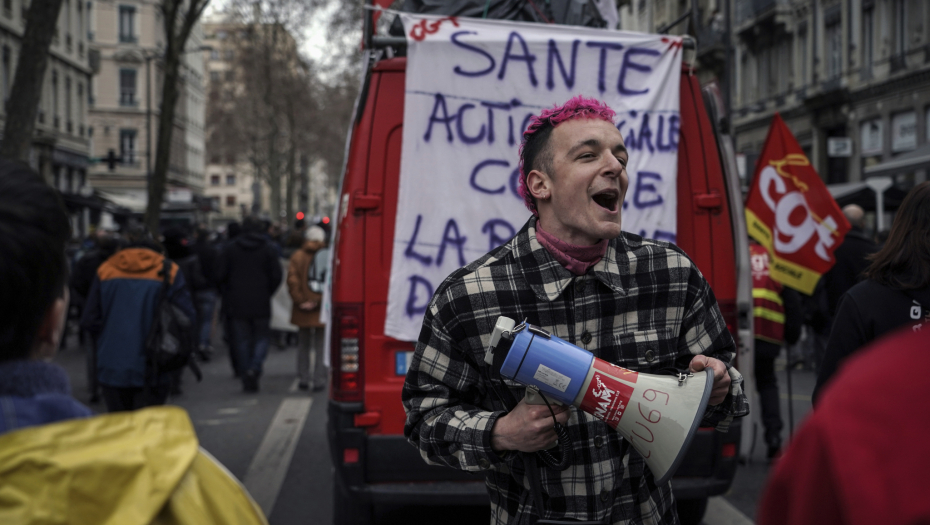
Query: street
(275,442)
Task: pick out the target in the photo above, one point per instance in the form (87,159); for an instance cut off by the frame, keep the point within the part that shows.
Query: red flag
(790,211)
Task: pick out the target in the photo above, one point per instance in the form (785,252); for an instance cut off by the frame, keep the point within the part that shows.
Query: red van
(373,463)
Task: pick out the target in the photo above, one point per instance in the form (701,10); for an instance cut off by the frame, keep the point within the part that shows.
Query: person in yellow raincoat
(59,465)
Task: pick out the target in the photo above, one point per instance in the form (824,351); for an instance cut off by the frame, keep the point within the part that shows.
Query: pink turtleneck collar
(576,259)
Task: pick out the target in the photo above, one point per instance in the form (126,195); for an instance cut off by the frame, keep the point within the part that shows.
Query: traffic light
(300,216)
(112,159)
(325,220)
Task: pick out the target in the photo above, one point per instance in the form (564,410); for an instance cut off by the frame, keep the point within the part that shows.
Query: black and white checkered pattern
(644,306)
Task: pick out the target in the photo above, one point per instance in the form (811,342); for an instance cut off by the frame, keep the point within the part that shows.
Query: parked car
(373,463)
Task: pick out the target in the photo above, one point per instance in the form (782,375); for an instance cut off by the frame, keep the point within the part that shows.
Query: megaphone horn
(657,414)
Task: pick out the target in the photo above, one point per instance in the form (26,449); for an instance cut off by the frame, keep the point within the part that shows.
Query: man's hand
(307,305)
(721,376)
(527,428)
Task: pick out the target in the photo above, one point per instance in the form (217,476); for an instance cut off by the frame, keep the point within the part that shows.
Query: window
(6,74)
(55,116)
(900,27)
(90,22)
(127,146)
(69,125)
(868,42)
(214,180)
(80,19)
(221,35)
(127,20)
(80,105)
(834,42)
(230,200)
(127,87)
(229,54)
(214,54)
(214,76)
(230,180)
(802,56)
(66,7)
(904,131)
(230,75)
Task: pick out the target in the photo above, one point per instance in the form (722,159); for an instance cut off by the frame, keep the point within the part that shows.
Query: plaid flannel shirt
(644,306)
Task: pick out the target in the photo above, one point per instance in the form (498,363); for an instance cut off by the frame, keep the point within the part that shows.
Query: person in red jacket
(776,320)
(861,457)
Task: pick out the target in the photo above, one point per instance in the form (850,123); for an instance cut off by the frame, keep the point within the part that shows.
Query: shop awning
(918,159)
(860,193)
(134,202)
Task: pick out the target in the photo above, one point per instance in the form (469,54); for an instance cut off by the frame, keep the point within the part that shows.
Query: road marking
(722,512)
(293,388)
(229,411)
(269,466)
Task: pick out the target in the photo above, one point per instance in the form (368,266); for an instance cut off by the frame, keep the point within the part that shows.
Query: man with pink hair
(635,302)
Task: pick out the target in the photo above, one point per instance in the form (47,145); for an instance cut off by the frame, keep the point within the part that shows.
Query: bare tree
(282,110)
(178,20)
(23,104)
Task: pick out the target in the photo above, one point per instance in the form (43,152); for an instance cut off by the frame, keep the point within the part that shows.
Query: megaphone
(657,414)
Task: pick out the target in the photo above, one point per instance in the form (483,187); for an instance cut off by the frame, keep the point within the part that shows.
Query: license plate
(402,362)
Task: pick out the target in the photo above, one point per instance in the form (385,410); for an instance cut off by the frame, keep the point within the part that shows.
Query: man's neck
(576,259)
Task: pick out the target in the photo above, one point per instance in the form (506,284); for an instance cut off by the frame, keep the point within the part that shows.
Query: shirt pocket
(646,350)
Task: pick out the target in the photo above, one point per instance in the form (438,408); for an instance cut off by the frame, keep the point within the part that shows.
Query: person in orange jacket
(58,464)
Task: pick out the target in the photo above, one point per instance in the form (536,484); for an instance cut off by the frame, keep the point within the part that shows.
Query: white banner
(471,87)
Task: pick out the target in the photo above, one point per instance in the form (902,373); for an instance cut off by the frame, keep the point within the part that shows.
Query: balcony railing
(748,9)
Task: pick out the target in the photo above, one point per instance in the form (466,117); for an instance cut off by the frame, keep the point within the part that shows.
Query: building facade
(851,78)
(125,106)
(62,136)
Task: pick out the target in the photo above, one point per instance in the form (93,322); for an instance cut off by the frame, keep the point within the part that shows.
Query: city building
(125,106)
(851,79)
(233,162)
(61,144)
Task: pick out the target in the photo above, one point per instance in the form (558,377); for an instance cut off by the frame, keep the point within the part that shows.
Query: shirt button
(586,337)
(605,495)
(483,463)
(650,356)
(579,285)
(599,441)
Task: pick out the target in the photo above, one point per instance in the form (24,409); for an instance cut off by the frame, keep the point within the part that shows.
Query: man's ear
(539,185)
(51,330)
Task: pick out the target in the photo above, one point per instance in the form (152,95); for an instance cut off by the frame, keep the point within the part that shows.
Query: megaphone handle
(534,397)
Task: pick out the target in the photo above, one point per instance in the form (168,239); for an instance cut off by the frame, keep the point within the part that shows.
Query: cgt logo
(795,223)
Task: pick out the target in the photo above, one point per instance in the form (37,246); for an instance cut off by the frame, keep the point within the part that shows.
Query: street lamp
(148,57)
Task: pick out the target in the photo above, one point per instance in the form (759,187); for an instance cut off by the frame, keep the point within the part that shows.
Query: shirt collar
(548,279)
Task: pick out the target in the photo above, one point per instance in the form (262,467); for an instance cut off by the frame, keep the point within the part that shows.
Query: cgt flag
(791,213)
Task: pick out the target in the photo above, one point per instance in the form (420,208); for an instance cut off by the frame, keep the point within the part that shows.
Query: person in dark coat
(205,297)
(249,272)
(82,276)
(177,248)
(896,291)
(34,230)
(851,262)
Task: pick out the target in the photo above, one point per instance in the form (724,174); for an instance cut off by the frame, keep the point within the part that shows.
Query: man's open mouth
(607,199)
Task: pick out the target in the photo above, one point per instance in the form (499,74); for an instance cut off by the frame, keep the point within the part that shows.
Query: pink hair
(578,107)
